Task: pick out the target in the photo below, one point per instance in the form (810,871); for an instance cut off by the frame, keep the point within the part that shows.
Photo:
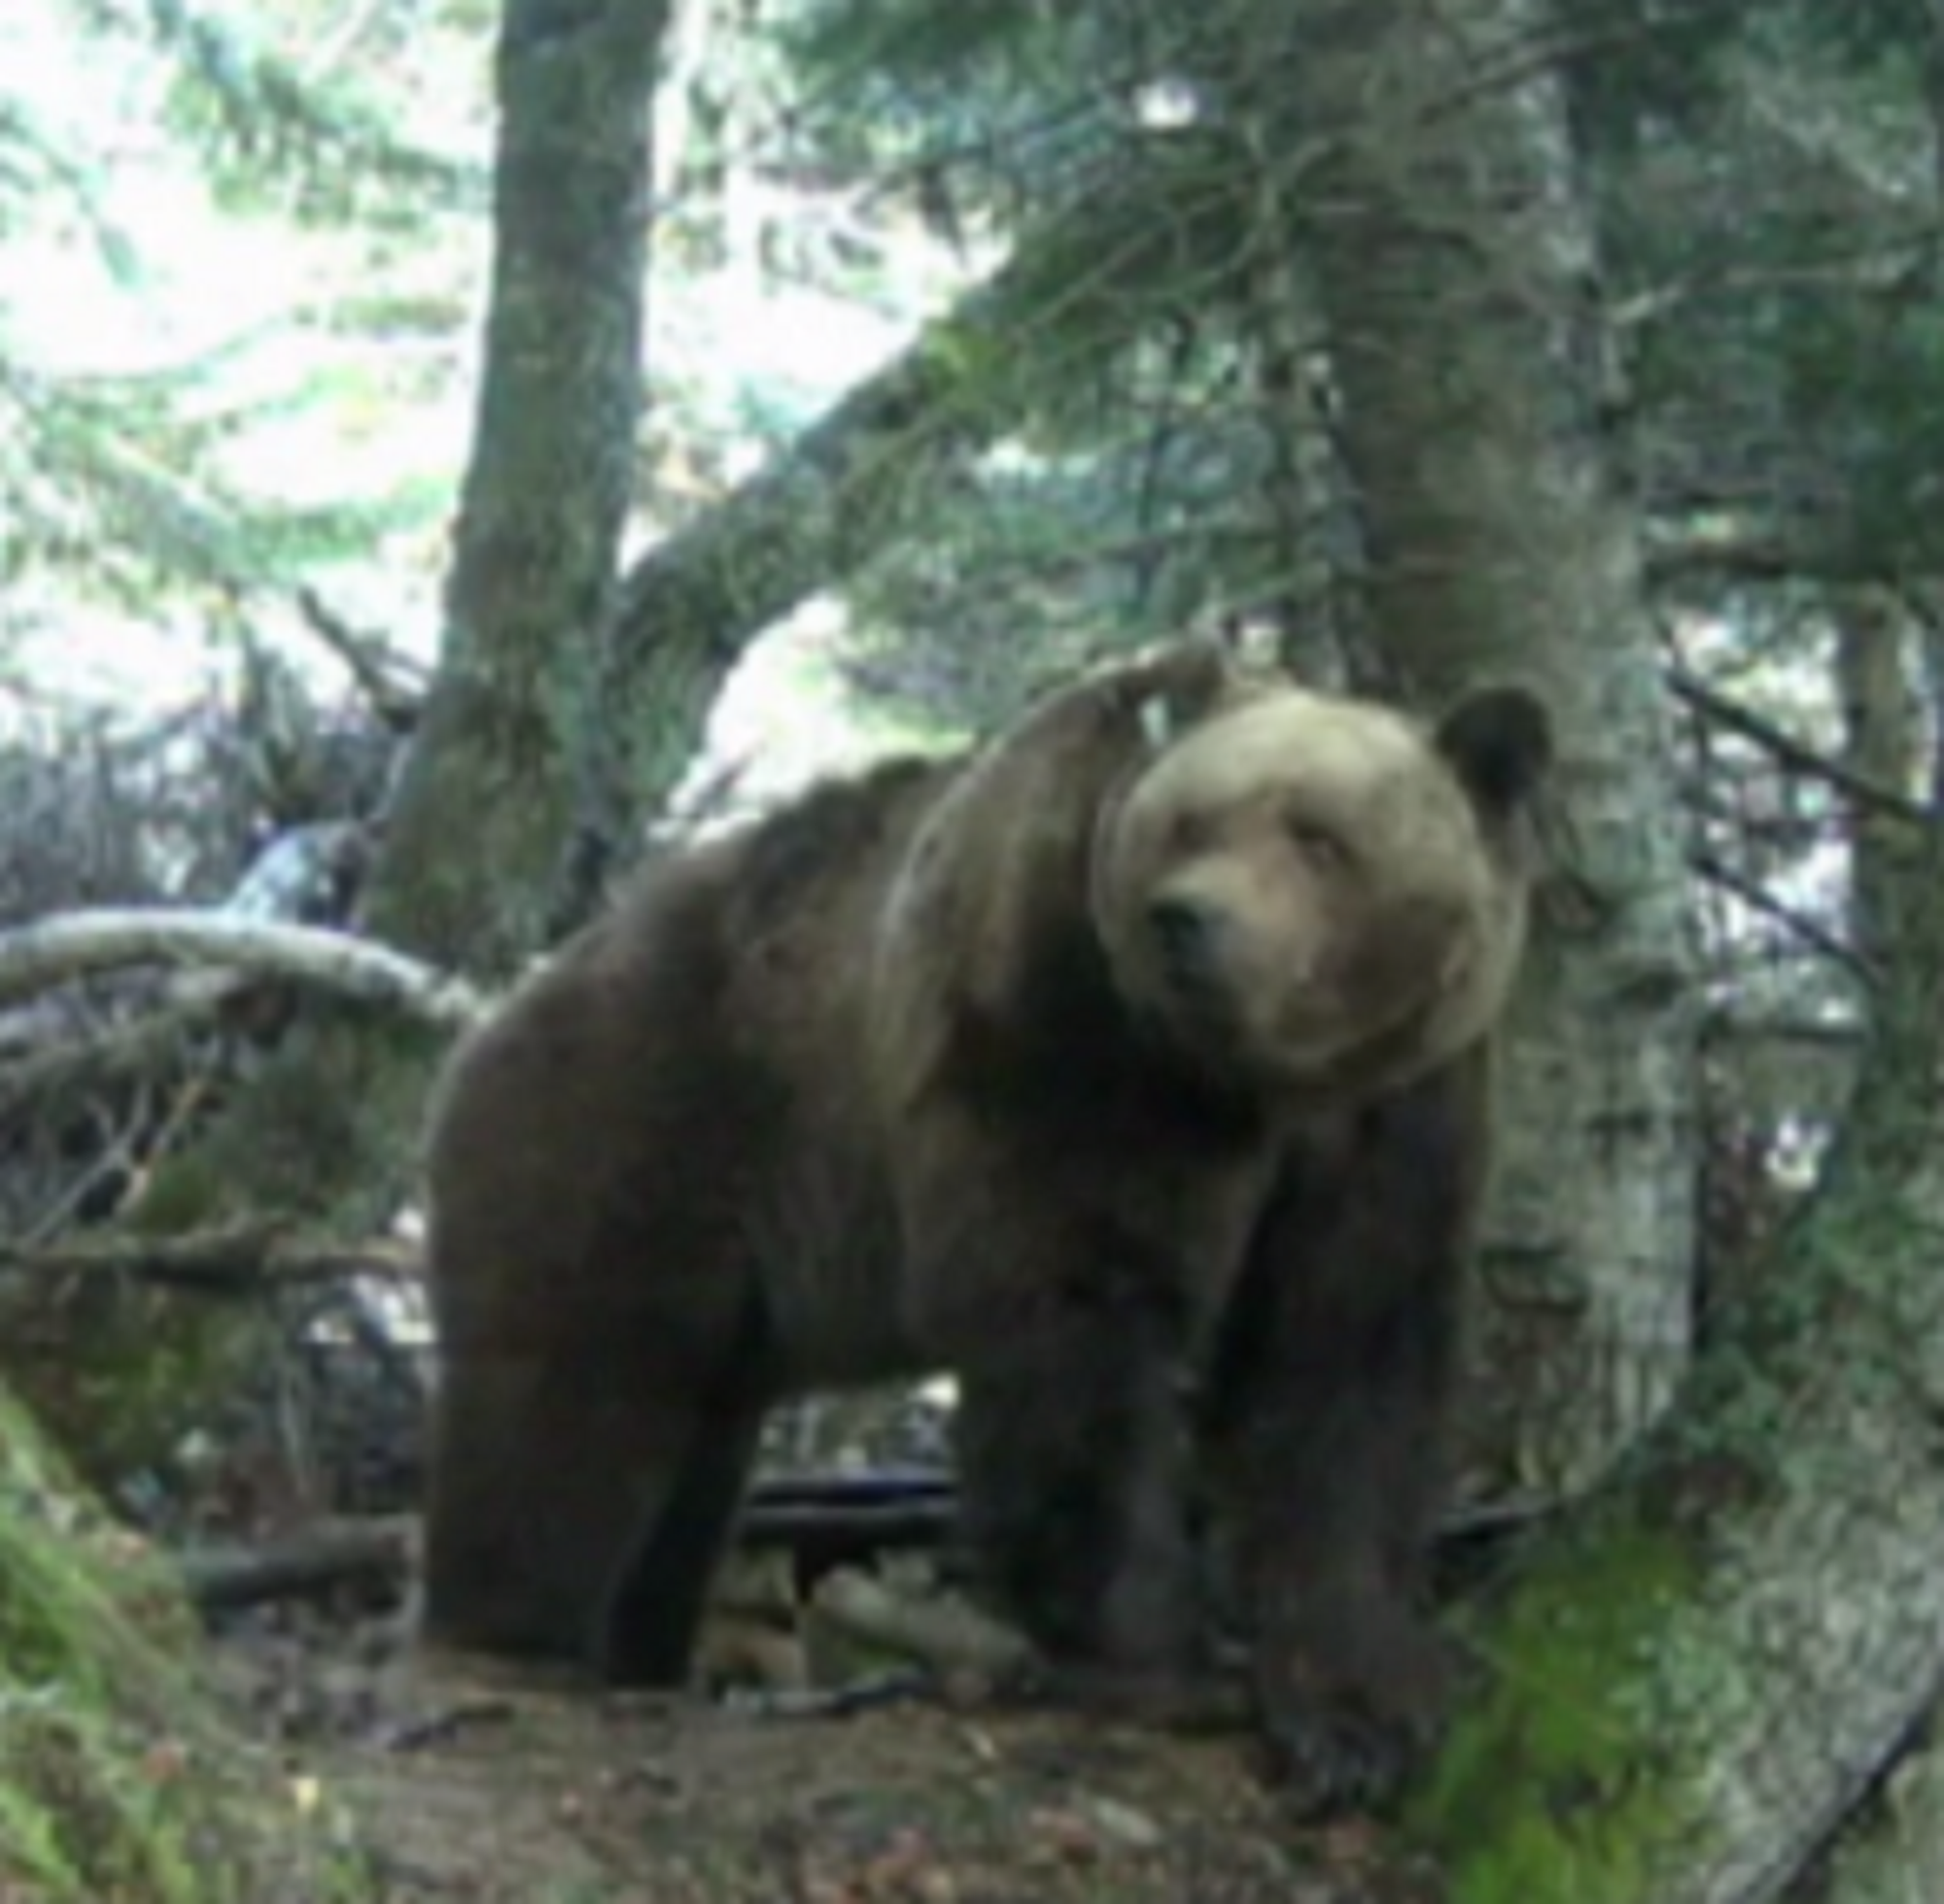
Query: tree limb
(1758,898)
(70,945)
(943,1634)
(237,1260)
(1713,706)
(1160,235)
(394,687)
(315,1559)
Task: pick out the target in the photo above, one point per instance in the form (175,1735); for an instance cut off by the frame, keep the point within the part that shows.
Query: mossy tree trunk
(1453,265)
(508,760)
(1894,1851)
(121,1776)
(508,776)
(1693,1683)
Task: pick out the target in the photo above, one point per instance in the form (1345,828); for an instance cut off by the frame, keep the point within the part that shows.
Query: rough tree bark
(474,862)
(506,759)
(1454,271)
(1694,1681)
(1895,1853)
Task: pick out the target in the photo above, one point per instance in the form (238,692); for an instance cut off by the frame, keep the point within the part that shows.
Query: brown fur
(916,1076)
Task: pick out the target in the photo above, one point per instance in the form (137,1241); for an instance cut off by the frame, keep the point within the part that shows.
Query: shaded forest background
(450,449)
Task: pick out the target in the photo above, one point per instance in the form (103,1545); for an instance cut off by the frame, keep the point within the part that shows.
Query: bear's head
(1315,892)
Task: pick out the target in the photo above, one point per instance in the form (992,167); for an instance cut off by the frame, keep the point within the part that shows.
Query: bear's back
(714,1016)
(830,855)
(738,939)
(800,903)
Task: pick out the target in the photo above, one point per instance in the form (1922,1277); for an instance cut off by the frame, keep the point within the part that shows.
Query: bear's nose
(1186,937)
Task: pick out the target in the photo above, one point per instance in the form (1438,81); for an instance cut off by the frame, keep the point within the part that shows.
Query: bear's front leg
(1322,1415)
(1070,1438)
(1071,1459)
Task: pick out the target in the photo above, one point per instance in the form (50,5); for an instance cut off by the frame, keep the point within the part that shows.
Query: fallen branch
(239,1259)
(812,1517)
(376,1554)
(839,1519)
(72,946)
(946,1635)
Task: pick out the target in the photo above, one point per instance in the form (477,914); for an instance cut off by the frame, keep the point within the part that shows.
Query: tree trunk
(1454,271)
(474,866)
(509,754)
(1894,1852)
(120,1776)
(1883,734)
(1696,1680)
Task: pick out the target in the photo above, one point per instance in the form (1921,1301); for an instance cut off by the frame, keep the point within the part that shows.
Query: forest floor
(462,1780)
(462,1785)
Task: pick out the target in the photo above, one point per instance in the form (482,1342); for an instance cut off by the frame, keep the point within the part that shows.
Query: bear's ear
(1499,740)
(1171,688)
(1159,718)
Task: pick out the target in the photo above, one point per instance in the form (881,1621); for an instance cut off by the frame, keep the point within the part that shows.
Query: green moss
(1553,1788)
(118,1781)
(131,1369)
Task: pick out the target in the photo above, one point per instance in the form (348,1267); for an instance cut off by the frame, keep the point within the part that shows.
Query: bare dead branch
(240,1260)
(70,945)
(1878,265)
(393,686)
(1732,1027)
(1753,895)
(1745,558)
(376,1553)
(1713,706)
(943,1634)
(830,1520)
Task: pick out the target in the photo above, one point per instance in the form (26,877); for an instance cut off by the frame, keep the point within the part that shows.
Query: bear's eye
(1190,833)
(1316,841)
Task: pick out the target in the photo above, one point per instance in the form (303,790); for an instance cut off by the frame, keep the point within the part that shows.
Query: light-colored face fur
(1302,889)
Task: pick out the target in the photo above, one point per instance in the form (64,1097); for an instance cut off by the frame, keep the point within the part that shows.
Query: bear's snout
(1188,936)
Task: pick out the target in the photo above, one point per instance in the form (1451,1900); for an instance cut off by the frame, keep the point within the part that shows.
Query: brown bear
(1131,1068)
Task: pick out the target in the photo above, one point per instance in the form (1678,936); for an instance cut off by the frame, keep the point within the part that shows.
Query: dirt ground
(467,1780)
(467,1788)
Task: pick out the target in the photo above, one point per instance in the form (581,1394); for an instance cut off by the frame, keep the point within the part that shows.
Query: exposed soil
(466,1787)
(462,1780)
